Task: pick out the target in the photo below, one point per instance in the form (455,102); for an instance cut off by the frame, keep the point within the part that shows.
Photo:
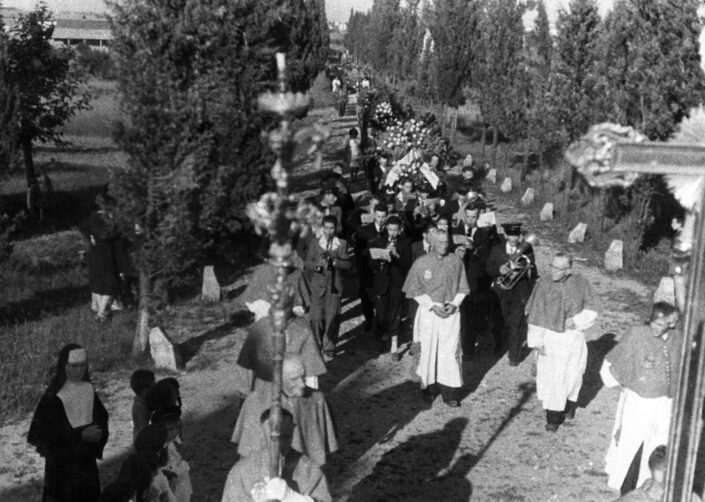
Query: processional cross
(284,217)
(611,155)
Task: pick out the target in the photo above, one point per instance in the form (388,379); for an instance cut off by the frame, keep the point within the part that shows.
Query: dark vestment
(512,301)
(257,353)
(264,277)
(387,280)
(70,471)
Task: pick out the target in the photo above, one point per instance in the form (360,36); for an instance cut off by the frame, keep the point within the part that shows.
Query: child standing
(353,153)
(141,381)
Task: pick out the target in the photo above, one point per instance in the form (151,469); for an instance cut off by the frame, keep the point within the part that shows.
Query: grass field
(45,299)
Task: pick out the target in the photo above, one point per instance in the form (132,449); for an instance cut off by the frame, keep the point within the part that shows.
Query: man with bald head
(314,434)
(437,282)
(559,309)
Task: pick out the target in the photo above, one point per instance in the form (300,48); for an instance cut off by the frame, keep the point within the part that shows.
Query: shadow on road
(421,469)
(592,383)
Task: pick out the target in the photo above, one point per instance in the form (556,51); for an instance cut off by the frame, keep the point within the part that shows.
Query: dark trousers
(325,320)
(632,476)
(372,175)
(365,302)
(479,312)
(387,313)
(447,393)
(512,304)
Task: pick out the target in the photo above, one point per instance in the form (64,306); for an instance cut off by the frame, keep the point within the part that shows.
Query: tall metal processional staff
(283,217)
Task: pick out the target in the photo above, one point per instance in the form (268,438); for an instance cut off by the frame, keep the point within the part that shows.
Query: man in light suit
(325,259)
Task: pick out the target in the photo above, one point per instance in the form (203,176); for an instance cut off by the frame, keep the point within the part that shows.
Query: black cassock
(70,470)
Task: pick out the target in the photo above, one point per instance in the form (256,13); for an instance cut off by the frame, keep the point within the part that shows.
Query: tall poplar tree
(189,74)
(500,74)
(540,110)
(574,80)
(384,18)
(650,64)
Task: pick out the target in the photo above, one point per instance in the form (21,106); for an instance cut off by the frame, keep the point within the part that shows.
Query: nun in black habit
(69,429)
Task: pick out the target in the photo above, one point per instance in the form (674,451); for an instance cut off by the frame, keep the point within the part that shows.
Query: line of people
(435,259)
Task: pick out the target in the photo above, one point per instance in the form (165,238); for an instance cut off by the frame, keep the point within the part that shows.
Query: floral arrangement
(383,115)
(400,137)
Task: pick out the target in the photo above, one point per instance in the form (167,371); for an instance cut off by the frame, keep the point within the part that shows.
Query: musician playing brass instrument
(512,266)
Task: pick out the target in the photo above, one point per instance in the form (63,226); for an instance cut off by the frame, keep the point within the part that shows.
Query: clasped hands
(275,489)
(91,434)
(444,311)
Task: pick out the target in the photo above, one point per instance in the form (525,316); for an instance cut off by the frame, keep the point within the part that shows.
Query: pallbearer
(438,283)
(560,308)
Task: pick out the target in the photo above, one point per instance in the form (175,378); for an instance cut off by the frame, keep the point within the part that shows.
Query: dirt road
(393,446)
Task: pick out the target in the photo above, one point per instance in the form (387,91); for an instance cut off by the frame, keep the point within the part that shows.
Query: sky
(337,10)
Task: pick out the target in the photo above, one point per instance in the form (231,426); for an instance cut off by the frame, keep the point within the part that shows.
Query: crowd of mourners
(437,277)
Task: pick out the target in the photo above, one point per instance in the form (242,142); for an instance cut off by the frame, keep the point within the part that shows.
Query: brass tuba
(519,264)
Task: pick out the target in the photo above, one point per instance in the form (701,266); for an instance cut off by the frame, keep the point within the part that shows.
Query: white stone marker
(506,185)
(529,197)
(614,256)
(211,290)
(577,234)
(492,176)
(163,352)
(547,212)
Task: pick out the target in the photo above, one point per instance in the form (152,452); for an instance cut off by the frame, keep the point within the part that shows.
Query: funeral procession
(352,250)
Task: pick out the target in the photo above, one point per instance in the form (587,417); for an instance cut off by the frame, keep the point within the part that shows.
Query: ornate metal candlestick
(283,217)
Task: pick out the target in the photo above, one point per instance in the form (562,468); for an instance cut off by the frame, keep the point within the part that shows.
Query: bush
(99,64)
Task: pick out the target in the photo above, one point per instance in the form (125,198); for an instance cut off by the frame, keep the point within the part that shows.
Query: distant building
(71,28)
(95,33)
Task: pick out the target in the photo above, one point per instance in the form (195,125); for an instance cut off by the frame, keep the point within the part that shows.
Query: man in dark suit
(481,306)
(422,247)
(326,257)
(363,236)
(387,280)
(420,211)
(502,263)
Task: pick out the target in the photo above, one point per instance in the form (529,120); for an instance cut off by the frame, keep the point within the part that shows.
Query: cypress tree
(574,79)
(650,65)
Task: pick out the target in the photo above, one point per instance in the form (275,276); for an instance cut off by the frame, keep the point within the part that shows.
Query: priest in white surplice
(438,283)
(559,310)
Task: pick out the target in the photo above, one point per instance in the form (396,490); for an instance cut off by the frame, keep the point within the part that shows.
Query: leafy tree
(650,66)
(189,72)
(48,85)
(454,29)
(407,41)
(357,39)
(500,74)
(8,140)
(8,108)
(574,79)
(426,77)
(384,18)
(540,111)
